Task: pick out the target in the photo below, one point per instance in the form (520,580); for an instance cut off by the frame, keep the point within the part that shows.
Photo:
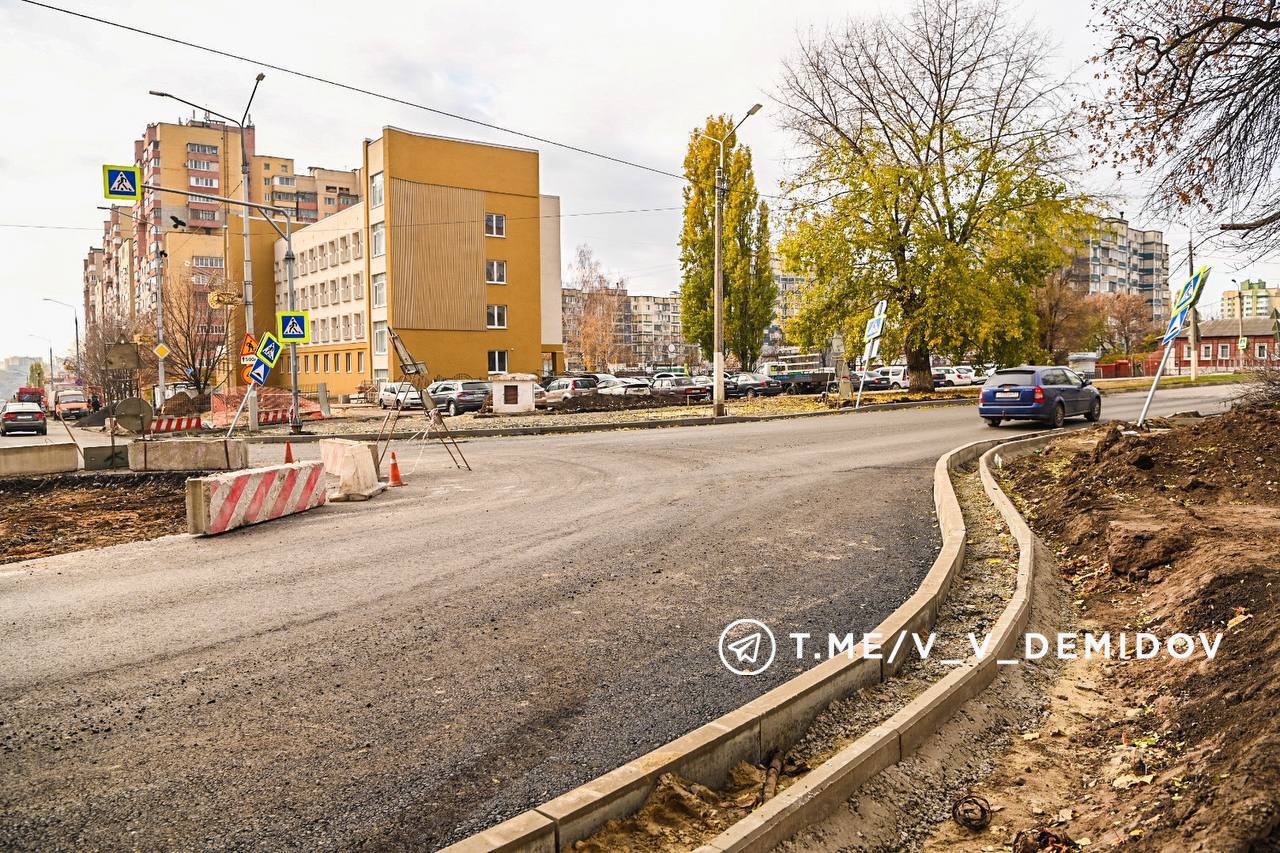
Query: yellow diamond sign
(160,350)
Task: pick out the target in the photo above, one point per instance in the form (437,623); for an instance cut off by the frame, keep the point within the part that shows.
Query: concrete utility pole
(244,198)
(1193,337)
(717,409)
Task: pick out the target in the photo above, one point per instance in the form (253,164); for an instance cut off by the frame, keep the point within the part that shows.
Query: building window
(496,316)
(326,362)
(346,331)
(206,215)
(378,239)
(203,165)
(1260,351)
(266,182)
(380,338)
(495,272)
(1206,352)
(197,148)
(329,201)
(356,286)
(357,320)
(497,361)
(495,225)
(212,183)
(375,191)
(360,361)
(379,290)
(266,167)
(1224,351)
(381,374)
(209,261)
(347,360)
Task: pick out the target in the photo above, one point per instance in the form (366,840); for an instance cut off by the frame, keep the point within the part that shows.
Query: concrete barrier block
(106,457)
(189,454)
(59,458)
(355,464)
(222,502)
(528,832)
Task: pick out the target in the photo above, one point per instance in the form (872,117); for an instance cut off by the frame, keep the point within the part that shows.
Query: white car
(399,395)
(950,376)
(898,375)
(625,387)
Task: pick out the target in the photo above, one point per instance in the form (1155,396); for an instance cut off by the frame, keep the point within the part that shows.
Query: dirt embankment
(43,516)
(1160,532)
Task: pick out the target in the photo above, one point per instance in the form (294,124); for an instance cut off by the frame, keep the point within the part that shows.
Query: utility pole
(1240,353)
(1193,337)
(161,257)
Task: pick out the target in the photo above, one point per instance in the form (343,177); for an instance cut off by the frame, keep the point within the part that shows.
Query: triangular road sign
(292,328)
(123,184)
(249,347)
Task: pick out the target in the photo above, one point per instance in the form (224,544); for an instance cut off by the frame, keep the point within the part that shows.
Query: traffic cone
(288,453)
(395,471)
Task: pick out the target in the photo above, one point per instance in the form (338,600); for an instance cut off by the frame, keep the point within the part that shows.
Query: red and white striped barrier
(172,424)
(222,502)
(276,416)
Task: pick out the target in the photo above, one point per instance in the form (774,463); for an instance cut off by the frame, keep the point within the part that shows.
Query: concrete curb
(776,720)
(498,432)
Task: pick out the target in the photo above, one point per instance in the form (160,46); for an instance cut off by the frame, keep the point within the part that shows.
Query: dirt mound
(42,516)
(1174,532)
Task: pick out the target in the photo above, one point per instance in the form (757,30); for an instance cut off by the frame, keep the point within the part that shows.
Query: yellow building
(454,261)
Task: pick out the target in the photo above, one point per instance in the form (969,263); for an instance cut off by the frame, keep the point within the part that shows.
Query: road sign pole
(1155,382)
(163,256)
(251,391)
(862,378)
(295,422)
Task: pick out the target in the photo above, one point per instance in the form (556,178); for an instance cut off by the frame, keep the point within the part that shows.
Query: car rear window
(475,386)
(1010,377)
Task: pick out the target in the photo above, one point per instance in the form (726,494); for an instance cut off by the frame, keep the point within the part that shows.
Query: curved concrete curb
(826,787)
(617,425)
(775,721)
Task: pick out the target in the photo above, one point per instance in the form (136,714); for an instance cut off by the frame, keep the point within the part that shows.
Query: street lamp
(244,197)
(718,273)
(76,315)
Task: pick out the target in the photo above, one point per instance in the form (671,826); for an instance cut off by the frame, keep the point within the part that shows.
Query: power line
(357,89)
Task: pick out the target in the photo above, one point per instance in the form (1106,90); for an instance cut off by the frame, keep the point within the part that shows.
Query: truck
(799,375)
(32,394)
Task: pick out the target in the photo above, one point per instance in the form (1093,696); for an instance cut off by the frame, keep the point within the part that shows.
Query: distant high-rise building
(1120,259)
(1253,296)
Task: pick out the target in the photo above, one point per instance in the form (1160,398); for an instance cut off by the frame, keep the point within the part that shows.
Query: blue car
(1029,393)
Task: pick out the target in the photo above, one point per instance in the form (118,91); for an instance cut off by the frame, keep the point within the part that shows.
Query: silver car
(399,395)
(625,387)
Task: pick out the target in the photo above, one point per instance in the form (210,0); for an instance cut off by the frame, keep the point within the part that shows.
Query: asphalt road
(399,673)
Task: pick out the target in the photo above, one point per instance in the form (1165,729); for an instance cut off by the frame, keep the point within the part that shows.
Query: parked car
(399,395)
(539,396)
(23,417)
(601,377)
(565,387)
(624,387)
(970,372)
(756,385)
(896,376)
(70,404)
(950,377)
(1043,393)
(681,386)
(455,396)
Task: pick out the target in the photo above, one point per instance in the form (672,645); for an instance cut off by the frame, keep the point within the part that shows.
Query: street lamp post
(244,198)
(76,316)
(717,409)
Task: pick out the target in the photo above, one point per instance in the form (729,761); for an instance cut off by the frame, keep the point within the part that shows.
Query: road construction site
(415,668)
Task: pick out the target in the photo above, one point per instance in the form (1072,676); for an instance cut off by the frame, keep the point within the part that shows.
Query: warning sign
(248,352)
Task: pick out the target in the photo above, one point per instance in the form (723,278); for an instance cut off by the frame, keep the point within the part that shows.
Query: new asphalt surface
(403,672)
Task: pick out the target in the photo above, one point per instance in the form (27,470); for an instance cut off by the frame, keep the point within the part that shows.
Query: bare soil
(1164,531)
(43,516)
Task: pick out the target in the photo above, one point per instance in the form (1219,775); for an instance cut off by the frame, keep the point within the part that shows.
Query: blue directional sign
(122,183)
(269,349)
(292,326)
(259,372)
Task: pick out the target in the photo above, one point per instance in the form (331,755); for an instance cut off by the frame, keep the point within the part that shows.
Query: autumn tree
(596,336)
(194,332)
(1066,318)
(100,335)
(1127,320)
(749,289)
(1189,98)
(932,178)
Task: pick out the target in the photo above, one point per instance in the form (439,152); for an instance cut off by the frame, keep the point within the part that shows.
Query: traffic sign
(870,352)
(1190,293)
(269,350)
(293,327)
(247,351)
(160,350)
(875,326)
(258,373)
(1243,343)
(881,307)
(122,183)
(1275,323)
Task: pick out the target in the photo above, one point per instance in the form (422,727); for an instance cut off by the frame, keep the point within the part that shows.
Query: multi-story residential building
(1121,259)
(785,306)
(455,250)
(329,283)
(93,298)
(312,196)
(657,336)
(1252,298)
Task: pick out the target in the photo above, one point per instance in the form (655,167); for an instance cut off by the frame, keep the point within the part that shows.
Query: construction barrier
(189,454)
(222,502)
(279,416)
(278,401)
(24,459)
(165,423)
(355,464)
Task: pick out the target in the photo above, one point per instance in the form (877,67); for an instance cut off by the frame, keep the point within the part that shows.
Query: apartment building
(1121,259)
(657,336)
(329,283)
(92,280)
(456,241)
(785,305)
(311,196)
(1251,299)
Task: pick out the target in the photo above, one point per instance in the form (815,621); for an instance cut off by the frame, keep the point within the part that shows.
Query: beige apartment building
(1252,298)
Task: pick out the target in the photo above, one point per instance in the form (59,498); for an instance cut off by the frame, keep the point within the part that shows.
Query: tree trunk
(920,368)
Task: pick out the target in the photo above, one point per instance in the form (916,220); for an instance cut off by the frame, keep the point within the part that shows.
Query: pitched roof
(1254,327)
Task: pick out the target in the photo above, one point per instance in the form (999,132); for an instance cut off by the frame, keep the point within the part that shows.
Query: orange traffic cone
(288,453)
(395,471)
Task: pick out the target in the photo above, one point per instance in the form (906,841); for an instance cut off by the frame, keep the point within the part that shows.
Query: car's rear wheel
(1095,410)
(995,422)
(453,409)
(751,393)
(1059,416)
(382,404)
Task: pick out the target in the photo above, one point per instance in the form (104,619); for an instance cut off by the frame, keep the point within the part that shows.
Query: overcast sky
(628,79)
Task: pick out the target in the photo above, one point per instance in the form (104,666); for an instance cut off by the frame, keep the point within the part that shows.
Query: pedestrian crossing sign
(293,327)
(268,350)
(122,183)
(259,372)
